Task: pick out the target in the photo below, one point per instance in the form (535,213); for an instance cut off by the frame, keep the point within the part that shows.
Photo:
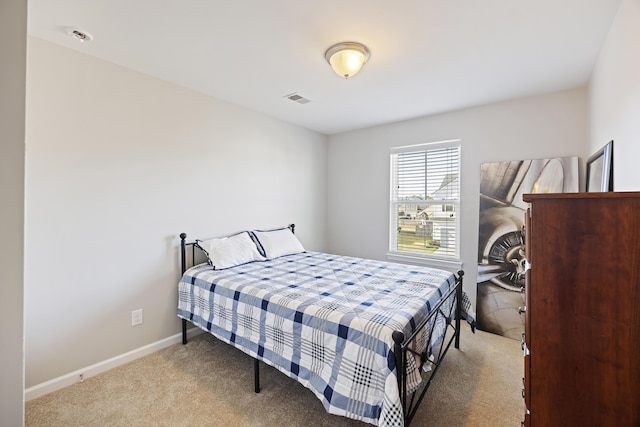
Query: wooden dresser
(582,315)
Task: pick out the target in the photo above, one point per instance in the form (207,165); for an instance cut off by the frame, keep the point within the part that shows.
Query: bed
(366,337)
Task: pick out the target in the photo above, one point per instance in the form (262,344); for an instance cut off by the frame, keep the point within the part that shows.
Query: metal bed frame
(402,345)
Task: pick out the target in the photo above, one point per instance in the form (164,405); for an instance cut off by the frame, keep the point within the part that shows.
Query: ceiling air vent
(297,98)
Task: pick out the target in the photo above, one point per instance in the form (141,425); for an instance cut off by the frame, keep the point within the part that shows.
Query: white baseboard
(95,369)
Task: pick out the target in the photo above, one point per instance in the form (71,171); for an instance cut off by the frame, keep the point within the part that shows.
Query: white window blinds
(425,200)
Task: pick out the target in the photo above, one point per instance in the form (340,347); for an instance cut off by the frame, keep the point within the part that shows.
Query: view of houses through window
(425,192)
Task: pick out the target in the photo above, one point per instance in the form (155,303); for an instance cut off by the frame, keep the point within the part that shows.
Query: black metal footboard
(451,311)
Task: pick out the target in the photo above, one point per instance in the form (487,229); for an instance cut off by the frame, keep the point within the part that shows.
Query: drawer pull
(522,309)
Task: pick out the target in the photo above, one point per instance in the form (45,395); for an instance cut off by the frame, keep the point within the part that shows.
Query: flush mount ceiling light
(347,58)
(81,36)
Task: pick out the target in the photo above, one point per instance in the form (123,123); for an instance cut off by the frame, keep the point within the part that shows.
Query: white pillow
(276,243)
(230,251)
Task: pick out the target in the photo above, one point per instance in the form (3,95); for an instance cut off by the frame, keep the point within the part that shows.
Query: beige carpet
(209,383)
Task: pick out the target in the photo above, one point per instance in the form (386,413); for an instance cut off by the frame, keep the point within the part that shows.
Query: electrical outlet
(136,317)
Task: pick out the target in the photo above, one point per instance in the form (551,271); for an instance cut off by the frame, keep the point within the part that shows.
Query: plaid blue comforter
(324,320)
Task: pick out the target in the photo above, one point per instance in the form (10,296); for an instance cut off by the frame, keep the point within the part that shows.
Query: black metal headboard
(184,245)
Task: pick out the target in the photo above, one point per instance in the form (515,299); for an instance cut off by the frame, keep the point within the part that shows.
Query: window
(425,200)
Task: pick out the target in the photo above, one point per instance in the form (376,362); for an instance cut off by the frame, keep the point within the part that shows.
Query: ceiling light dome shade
(347,58)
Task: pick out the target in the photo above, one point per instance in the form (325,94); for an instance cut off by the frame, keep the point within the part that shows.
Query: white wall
(13,48)
(118,164)
(553,125)
(615,97)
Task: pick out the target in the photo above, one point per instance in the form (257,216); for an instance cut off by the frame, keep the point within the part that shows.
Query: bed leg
(458,307)
(184,331)
(183,266)
(256,375)
(398,339)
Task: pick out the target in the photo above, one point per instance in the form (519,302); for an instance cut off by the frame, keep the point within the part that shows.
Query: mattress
(324,320)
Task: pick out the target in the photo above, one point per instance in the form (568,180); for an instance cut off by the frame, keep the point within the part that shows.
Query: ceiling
(427,56)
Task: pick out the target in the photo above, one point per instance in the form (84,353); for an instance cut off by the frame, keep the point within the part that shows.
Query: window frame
(451,261)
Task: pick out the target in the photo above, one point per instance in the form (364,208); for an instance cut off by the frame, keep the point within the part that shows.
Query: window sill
(453,265)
